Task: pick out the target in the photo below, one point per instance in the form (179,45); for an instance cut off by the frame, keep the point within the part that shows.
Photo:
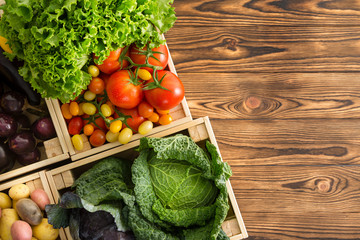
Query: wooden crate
(34,181)
(181,114)
(52,151)
(60,179)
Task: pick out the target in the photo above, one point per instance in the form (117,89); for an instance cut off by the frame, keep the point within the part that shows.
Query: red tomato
(111,64)
(135,120)
(166,99)
(139,58)
(122,92)
(100,122)
(97,138)
(75,125)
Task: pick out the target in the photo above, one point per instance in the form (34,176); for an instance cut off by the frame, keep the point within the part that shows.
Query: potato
(21,230)
(40,197)
(31,238)
(19,191)
(5,200)
(8,217)
(29,211)
(45,231)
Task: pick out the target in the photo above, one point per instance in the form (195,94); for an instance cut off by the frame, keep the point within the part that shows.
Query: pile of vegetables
(173,190)
(22,214)
(129,92)
(55,39)
(19,135)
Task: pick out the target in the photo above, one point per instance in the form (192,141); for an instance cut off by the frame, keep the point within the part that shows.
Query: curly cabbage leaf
(55,39)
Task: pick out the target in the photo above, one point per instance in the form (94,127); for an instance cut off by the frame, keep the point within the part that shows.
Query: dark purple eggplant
(43,128)
(29,158)
(9,73)
(8,125)
(7,158)
(12,102)
(22,142)
(23,122)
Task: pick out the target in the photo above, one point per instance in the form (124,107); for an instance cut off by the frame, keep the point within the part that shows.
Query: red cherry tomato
(97,138)
(166,99)
(111,64)
(135,120)
(75,125)
(122,92)
(145,109)
(139,58)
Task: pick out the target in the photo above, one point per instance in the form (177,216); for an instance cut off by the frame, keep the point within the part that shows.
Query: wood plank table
(280,81)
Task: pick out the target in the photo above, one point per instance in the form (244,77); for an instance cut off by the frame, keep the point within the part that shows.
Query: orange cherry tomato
(154,117)
(88,129)
(145,109)
(165,119)
(96,85)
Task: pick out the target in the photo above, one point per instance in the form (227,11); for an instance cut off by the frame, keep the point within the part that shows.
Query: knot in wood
(253,102)
(323,186)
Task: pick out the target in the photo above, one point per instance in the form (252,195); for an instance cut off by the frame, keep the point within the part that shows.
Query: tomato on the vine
(162,99)
(96,85)
(158,59)
(98,138)
(75,125)
(123,91)
(135,120)
(111,63)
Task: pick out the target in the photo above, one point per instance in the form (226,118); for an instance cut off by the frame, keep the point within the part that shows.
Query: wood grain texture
(262,12)
(265,48)
(273,95)
(288,142)
(279,80)
(299,202)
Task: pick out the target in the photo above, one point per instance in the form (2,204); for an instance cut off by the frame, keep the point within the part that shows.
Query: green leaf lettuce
(55,39)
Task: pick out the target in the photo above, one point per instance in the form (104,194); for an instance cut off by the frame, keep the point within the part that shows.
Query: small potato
(45,231)
(19,191)
(40,197)
(29,211)
(21,230)
(5,200)
(8,217)
(31,238)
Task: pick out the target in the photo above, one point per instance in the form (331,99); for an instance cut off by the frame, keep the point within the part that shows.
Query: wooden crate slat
(34,181)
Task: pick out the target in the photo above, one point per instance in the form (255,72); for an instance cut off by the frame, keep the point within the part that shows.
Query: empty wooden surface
(280,81)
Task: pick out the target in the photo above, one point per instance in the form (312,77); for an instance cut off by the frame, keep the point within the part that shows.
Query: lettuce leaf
(55,39)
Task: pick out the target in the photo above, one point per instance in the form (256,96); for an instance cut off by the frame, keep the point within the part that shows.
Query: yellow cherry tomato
(89,95)
(115,126)
(89,108)
(78,142)
(144,74)
(112,137)
(125,135)
(106,110)
(93,70)
(145,127)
